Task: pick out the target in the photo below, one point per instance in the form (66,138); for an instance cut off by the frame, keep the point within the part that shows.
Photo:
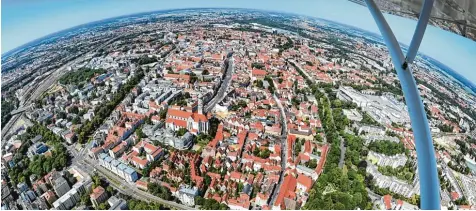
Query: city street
(123,186)
(223,87)
(284,155)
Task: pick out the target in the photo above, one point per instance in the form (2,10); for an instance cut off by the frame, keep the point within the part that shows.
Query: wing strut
(428,174)
(420,30)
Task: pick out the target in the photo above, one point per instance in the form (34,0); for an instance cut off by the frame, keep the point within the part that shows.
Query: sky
(26,20)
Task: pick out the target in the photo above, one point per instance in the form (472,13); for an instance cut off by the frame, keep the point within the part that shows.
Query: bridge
(21,109)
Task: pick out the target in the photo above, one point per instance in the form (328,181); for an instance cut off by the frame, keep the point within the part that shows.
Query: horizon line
(32,42)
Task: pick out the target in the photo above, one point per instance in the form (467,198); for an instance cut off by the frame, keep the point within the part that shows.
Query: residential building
(187,195)
(98,196)
(61,186)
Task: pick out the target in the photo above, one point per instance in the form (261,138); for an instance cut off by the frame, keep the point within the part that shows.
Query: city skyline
(39,19)
(239,109)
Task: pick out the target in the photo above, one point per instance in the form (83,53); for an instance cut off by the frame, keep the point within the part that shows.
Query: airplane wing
(458,16)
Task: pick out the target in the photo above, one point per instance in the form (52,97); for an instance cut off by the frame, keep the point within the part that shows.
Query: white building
(187,195)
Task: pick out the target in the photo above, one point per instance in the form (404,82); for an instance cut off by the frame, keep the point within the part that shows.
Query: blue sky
(27,20)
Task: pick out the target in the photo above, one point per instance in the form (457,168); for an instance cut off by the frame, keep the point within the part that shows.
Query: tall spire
(200,106)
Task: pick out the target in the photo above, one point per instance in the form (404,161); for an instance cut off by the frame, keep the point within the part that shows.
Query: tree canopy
(39,165)
(105,109)
(80,75)
(387,147)
(209,204)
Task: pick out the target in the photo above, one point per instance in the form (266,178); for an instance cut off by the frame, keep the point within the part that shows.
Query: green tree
(102,206)
(86,199)
(76,120)
(199,200)
(163,114)
(110,190)
(367,119)
(140,134)
(387,147)
(181,132)
(312,164)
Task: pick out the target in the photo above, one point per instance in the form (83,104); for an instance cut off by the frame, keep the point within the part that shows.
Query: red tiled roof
(287,189)
(69,135)
(454,196)
(199,117)
(156,152)
(97,192)
(217,56)
(258,72)
(117,148)
(177,76)
(131,115)
(141,162)
(387,200)
(322,161)
(178,113)
(149,148)
(305,181)
(307,146)
(180,123)
(235,175)
(141,184)
(400,202)
(96,150)
(49,194)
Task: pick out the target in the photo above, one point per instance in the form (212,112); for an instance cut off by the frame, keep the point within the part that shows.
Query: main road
(284,151)
(224,85)
(91,166)
(87,164)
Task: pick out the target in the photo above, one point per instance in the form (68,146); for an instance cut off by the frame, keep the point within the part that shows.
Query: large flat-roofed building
(117,203)
(120,169)
(114,165)
(68,200)
(73,196)
(130,175)
(385,109)
(61,186)
(167,137)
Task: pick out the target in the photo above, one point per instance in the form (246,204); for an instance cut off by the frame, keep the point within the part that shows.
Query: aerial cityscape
(218,108)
